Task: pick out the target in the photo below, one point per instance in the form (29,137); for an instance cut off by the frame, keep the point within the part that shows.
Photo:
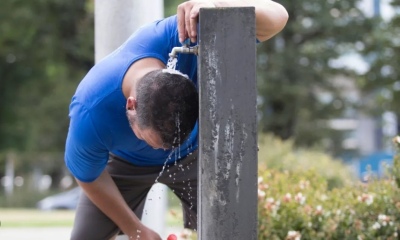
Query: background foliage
(297,75)
(282,155)
(382,48)
(46,47)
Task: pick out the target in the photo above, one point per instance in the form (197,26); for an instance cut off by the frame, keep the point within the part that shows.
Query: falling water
(165,164)
(171,64)
(175,151)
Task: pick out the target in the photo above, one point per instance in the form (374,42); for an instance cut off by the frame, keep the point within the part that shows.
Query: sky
(386,10)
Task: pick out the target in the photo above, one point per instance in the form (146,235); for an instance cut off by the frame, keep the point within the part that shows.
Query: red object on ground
(172,237)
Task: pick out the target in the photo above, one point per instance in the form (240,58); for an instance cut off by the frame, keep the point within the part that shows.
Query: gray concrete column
(228,125)
(116,20)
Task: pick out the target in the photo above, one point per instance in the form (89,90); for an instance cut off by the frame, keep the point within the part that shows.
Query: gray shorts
(134,183)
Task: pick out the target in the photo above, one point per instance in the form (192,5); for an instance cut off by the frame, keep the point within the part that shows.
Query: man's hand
(188,14)
(105,195)
(271,17)
(146,234)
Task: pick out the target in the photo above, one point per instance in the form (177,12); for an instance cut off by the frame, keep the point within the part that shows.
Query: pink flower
(287,197)
(318,210)
(293,235)
(300,198)
(366,198)
(261,194)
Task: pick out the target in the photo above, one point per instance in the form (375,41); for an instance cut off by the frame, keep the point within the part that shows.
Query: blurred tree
(381,84)
(170,7)
(296,70)
(45,48)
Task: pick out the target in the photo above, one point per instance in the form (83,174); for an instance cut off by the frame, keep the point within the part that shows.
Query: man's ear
(131,103)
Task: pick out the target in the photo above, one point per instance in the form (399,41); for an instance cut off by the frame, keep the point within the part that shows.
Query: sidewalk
(59,233)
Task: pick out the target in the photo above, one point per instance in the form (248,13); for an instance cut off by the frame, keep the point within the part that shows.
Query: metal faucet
(184,49)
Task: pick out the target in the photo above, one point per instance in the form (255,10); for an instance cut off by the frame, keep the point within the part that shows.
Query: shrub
(281,155)
(297,204)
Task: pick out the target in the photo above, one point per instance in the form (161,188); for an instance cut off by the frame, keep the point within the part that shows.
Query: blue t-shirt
(98,122)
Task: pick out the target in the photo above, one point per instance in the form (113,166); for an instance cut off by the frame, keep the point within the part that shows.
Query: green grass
(35,218)
(30,217)
(61,218)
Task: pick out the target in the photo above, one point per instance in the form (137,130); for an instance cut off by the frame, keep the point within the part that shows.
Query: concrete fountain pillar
(228,124)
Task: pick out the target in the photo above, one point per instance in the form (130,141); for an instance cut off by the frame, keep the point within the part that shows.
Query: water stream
(171,64)
(176,151)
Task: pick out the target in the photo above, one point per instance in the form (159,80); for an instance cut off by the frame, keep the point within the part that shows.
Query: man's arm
(271,17)
(105,195)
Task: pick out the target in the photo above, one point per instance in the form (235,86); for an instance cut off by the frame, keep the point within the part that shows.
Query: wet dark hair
(169,104)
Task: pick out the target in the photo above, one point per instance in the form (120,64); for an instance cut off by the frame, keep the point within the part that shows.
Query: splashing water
(165,164)
(178,129)
(171,64)
(175,151)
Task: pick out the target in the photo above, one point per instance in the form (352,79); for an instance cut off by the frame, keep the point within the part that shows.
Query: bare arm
(105,195)
(271,17)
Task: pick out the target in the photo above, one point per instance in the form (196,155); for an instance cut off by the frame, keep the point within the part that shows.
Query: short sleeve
(85,154)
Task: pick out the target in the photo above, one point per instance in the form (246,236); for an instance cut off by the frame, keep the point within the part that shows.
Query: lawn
(35,218)
(30,217)
(60,218)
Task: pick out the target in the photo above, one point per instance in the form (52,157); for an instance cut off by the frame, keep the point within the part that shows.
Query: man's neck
(136,71)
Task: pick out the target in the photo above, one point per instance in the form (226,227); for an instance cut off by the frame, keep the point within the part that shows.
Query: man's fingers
(181,23)
(187,20)
(188,13)
(194,14)
(193,29)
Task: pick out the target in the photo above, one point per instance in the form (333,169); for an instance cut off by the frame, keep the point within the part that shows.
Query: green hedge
(282,155)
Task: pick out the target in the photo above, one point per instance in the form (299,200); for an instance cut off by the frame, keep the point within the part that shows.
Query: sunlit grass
(36,218)
(30,217)
(61,218)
